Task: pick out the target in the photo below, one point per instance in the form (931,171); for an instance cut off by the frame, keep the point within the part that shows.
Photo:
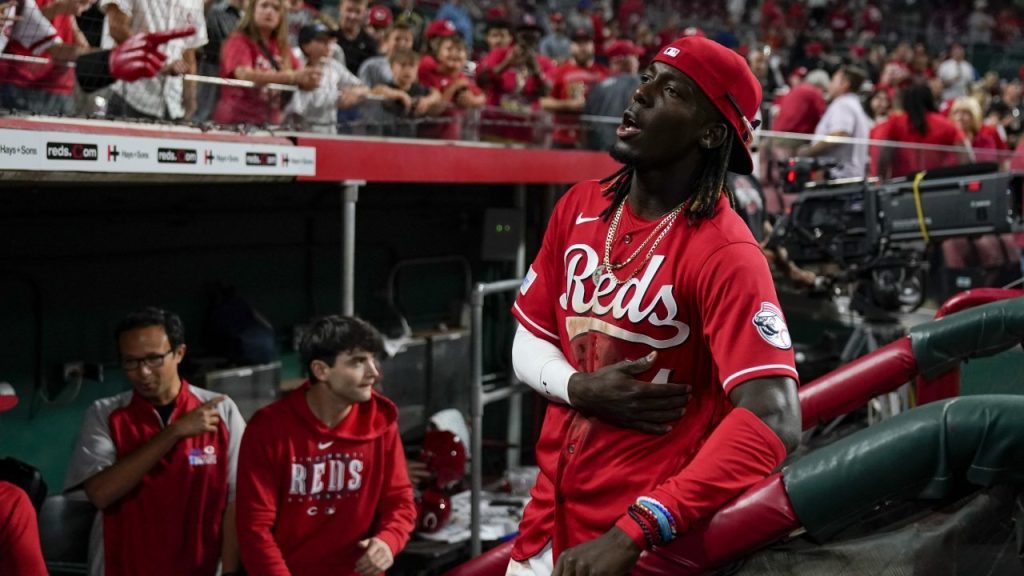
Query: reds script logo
(770,325)
(636,300)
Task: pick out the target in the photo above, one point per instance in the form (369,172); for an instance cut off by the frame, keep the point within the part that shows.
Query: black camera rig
(872,235)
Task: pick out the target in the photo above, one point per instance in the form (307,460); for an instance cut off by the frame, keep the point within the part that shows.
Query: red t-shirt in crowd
(800,110)
(433,78)
(704,301)
(941,131)
(20,551)
(513,96)
(49,77)
(988,145)
(250,105)
(573,81)
(307,494)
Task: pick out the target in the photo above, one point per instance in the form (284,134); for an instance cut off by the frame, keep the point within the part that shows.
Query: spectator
(221,21)
(23,22)
(844,117)
(956,73)
(920,123)
(377,70)
(300,14)
(165,97)
(896,73)
(406,13)
(159,461)
(449,78)
(581,17)
(1012,102)
(555,44)
(802,108)
(45,88)
(458,91)
(258,52)
(323,485)
(571,83)
(609,98)
(980,25)
(408,100)
(878,106)
(436,31)
(985,140)
(353,38)
(316,110)
(497,32)
(455,12)
(380,18)
(515,79)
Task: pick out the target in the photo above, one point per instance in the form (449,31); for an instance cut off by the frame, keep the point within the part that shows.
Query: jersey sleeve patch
(772,327)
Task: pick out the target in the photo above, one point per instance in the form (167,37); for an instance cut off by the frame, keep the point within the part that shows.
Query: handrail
(479,399)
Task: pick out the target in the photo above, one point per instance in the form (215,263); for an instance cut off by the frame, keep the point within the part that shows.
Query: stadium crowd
(555,72)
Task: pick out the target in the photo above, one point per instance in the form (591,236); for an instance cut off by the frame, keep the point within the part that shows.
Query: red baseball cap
(380,16)
(726,79)
(440,29)
(8,398)
(556,17)
(621,48)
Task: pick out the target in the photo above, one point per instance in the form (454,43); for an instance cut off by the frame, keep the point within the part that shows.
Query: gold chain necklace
(608,269)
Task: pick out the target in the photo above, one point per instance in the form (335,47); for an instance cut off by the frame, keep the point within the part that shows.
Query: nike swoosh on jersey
(324,445)
(583,220)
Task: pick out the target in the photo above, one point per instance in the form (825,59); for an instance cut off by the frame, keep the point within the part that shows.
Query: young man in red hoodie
(323,487)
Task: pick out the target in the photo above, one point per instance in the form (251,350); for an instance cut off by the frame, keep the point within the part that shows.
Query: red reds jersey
(307,493)
(704,300)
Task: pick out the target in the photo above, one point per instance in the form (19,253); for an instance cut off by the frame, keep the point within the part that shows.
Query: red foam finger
(155,38)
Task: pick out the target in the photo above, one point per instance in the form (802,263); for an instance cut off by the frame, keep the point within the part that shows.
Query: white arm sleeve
(541,365)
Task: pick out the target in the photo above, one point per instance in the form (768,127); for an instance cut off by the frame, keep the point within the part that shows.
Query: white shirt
(32,30)
(160,96)
(956,77)
(319,106)
(846,114)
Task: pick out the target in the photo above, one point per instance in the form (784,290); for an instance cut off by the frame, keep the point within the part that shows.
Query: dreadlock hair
(700,204)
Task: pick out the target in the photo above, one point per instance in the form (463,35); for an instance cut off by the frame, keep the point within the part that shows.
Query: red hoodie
(307,494)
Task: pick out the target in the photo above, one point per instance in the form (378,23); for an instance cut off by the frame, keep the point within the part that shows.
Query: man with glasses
(159,461)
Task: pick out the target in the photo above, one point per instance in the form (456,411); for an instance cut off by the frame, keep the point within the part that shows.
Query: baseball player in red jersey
(650,321)
(323,488)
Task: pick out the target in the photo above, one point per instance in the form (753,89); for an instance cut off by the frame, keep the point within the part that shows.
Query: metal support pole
(476,419)
(478,400)
(514,431)
(349,197)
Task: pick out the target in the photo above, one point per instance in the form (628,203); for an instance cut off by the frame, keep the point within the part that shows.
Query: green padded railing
(921,453)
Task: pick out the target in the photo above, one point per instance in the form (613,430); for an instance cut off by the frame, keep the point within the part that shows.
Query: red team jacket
(307,494)
(705,302)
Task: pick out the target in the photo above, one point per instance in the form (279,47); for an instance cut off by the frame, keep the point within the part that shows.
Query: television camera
(869,237)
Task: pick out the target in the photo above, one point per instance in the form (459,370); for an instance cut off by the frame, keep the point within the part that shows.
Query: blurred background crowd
(945,76)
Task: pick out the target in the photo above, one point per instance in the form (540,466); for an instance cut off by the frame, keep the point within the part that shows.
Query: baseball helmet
(445,456)
(433,510)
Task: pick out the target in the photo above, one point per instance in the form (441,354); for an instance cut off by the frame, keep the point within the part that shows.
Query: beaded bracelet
(663,521)
(648,536)
(656,505)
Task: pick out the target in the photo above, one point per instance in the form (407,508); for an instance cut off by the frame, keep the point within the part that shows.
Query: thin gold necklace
(608,269)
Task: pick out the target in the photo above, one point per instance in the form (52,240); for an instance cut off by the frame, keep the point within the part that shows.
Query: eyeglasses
(151,361)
